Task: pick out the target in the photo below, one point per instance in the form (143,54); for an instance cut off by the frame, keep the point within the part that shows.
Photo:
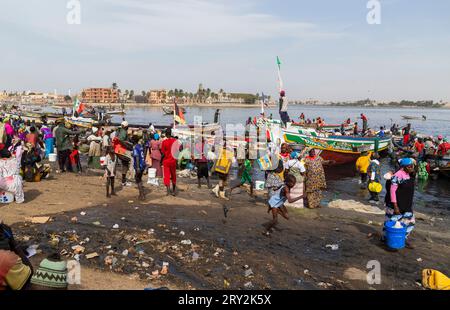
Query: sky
(328,49)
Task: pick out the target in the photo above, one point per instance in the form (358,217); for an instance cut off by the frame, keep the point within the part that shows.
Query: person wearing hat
(64,145)
(51,274)
(95,150)
(400,196)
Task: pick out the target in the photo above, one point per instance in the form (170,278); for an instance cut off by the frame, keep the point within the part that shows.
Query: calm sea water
(438,119)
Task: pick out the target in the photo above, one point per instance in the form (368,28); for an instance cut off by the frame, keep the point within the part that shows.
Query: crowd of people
(292,178)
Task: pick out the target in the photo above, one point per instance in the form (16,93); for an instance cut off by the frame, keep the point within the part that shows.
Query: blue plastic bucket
(395,237)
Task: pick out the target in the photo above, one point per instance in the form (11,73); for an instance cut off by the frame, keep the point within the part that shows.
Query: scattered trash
(248,273)
(324,285)
(369,235)
(136,208)
(108,260)
(116,226)
(74,219)
(370,223)
(186,242)
(78,249)
(195,256)
(155,274)
(54,242)
(420,260)
(92,255)
(182,233)
(123,219)
(130,201)
(248,285)
(203,212)
(125,253)
(306,271)
(196,229)
(337,229)
(165,269)
(226,283)
(151,231)
(96,223)
(32,250)
(333,247)
(83,213)
(145,265)
(40,219)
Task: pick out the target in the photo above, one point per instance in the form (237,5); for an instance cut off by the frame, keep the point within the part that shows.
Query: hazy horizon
(328,50)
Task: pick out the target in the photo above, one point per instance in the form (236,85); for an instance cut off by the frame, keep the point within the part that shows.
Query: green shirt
(62,135)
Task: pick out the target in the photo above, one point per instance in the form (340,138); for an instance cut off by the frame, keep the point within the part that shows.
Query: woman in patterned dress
(315,181)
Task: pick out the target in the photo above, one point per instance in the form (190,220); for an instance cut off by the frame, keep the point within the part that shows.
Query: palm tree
(131,94)
(143,93)
(114,85)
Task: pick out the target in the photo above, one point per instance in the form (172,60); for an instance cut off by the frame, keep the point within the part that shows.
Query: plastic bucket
(103,160)
(395,237)
(259,185)
(6,197)
(52,157)
(152,173)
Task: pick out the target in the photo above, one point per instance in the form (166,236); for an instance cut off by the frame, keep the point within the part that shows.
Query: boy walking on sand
(110,171)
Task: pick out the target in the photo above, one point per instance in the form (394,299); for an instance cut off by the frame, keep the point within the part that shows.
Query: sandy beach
(215,244)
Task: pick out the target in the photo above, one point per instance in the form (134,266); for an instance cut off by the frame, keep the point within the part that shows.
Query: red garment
(419,146)
(363,117)
(74,157)
(170,172)
(166,149)
(32,138)
(406,139)
(443,148)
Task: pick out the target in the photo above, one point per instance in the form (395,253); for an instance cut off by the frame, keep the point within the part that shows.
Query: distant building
(158,96)
(100,95)
(4,95)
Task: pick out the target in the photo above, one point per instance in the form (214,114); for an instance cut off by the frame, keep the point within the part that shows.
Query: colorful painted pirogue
(340,149)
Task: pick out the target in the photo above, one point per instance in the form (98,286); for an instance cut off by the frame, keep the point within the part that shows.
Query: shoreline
(230,105)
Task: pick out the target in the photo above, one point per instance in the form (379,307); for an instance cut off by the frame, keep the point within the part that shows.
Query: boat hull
(340,149)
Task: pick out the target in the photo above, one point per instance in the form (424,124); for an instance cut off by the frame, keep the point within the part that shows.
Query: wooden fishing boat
(169,110)
(405,117)
(116,112)
(81,122)
(341,149)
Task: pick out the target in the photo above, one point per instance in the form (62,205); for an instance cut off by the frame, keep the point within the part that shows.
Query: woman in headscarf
(155,154)
(49,140)
(33,170)
(297,169)
(10,179)
(400,195)
(315,181)
(95,150)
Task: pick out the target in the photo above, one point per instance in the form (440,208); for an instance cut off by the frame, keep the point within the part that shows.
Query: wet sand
(232,252)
